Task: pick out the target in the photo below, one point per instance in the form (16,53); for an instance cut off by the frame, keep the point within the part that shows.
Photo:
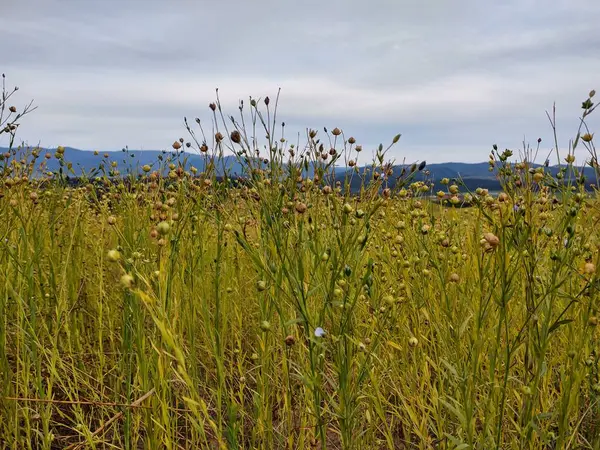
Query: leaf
(294,321)
(558,324)
(458,414)
(393,345)
(464,325)
(450,367)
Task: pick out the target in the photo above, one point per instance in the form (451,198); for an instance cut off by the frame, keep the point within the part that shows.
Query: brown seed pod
(236,137)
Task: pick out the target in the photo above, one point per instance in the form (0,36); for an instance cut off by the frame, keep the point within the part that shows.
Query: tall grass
(282,310)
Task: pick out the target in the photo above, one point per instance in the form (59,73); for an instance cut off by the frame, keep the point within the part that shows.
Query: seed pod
(300,208)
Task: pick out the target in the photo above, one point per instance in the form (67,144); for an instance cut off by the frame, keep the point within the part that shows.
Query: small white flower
(319,332)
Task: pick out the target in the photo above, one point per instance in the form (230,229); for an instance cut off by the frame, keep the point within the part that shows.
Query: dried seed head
(491,239)
(236,137)
(212,106)
(12,109)
(290,340)
(351,140)
(301,208)
(413,342)
(454,278)
(218,137)
(176,145)
(587,137)
(336,131)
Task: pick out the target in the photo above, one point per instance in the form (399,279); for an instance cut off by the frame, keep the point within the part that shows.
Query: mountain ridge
(472,174)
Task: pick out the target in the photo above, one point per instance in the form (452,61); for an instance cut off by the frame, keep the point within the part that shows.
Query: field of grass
(187,311)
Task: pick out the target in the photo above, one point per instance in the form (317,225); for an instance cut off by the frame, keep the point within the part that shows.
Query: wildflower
(265,325)
(413,341)
(320,332)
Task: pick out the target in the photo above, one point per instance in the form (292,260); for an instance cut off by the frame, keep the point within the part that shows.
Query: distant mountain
(473,174)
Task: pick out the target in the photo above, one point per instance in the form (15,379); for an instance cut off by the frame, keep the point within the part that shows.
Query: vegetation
(283,311)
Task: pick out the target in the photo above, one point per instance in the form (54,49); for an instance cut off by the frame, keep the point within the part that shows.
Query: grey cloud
(453,77)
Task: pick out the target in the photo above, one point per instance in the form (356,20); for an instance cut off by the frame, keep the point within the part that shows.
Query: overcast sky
(453,76)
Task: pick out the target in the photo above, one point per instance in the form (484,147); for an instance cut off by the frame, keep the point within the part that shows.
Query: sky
(453,77)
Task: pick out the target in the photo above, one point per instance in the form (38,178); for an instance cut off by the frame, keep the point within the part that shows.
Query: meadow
(169,307)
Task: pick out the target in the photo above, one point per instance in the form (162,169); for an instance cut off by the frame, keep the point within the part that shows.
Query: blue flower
(319,332)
